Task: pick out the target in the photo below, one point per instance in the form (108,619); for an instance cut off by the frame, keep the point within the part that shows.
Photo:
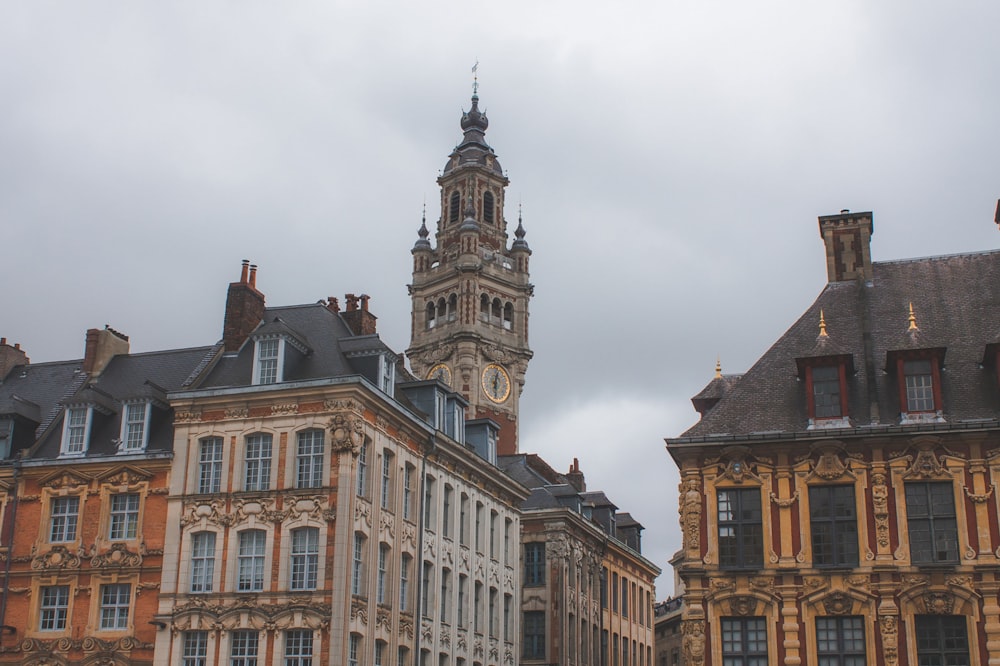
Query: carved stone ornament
(880,509)
(557,547)
(829,466)
(187,416)
(939,603)
(436,354)
(497,355)
(127,476)
(693,642)
(926,466)
(59,557)
(743,605)
(237,413)
(979,498)
(690,509)
(283,410)
(346,433)
(383,618)
(117,556)
(838,603)
(65,479)
(406,625)
(359,610)
(786,502)
(889,627)
(210,511)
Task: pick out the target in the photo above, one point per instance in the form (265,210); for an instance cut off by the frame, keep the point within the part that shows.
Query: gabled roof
(956,305)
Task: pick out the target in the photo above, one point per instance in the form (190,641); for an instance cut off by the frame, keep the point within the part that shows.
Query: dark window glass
(834,526)
(840,641)
(534,563)
(488,208)
(930,520)
(741,533)
(456,202)
(942,640)
(744,641)
(826,391)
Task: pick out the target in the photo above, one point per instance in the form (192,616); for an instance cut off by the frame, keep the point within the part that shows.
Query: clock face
(496,383)
(441,372)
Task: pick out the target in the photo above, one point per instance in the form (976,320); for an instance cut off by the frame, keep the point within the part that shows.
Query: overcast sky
(671,159)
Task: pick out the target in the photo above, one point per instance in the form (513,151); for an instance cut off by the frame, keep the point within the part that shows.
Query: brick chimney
(11,356)
(359,320)
(102,346)
(848,238)
(575,477)
(244,308)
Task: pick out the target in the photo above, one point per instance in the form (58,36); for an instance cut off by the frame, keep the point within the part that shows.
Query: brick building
(838,499)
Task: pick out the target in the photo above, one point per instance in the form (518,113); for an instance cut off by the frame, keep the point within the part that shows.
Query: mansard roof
(955,304)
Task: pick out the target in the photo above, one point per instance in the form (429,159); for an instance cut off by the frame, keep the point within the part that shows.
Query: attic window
(267,367)
(135,426)
(918,377)
(825,379)
(826,391)
(76,431)
(919,382)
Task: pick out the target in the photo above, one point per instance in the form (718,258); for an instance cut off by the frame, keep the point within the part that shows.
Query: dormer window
(267,363)
(135,426)
(387,374)
(825,380)
(76,431)
(918,376)
(826,392)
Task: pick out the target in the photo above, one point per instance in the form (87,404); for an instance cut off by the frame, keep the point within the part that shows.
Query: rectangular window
(385,497)
(507,527)
(210,466)
(624,597)
(942,639)
(534,563)
(494,613)
(63,516)
(353,650)
(614,592)
(507,600)
(134,427)
(930,520)
(744,641)
(202,561)
(251,561)
(258,462)
(77,427)
(919,380)
(826,391)
(298,647)
(834,526)
(404,582)
(243,648)
(267,361)
(195,648)
(463,592)
(53,608)
(840,641)
(115,601)
(477,603)
(361,481)
(463,520)
(446,515)
(429,502)
(380,653)
(408,491)
(493,534)
(403,657)
(381,592)
(479,527)
(309,457)
(426,588)
(124,517)
(445,596)
(741,538)
(305,558)
(357,565)
(534,635)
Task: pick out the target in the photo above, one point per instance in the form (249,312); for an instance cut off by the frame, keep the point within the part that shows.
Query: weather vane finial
(718,366)
(822,324)
(475,78)
(913,319)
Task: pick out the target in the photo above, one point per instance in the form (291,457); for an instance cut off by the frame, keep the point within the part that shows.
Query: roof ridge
(937,257)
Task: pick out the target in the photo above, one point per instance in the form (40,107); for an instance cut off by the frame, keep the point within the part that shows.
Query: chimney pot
(243,272)
(3,341)
(253,275)
(332,304)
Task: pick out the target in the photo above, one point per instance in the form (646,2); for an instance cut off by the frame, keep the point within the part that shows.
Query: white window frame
(246,650)
(358,564)
(210,468)
(310,457)
(251,558)
(123,517)
(202,562)
(69,521)
(71,427)
(134,434)
(257,468)
(259,376)
(53,608)
(382,587)
(387,374)
(298,647)
(194,648)
(304,563)
(116,606)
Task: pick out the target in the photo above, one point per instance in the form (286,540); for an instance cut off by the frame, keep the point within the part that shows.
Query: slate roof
(956,304)
(329,339)
(52,386)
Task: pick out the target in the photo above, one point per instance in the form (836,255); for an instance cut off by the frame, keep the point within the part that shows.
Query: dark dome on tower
(473,150)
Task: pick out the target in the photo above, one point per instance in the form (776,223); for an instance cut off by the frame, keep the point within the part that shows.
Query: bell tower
(470,289)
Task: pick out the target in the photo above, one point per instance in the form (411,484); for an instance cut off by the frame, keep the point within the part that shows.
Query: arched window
(456,204)
(202,561)
(488,207)
(508,316)
(452,307)
(495,312)
(484,308)
(430,315)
